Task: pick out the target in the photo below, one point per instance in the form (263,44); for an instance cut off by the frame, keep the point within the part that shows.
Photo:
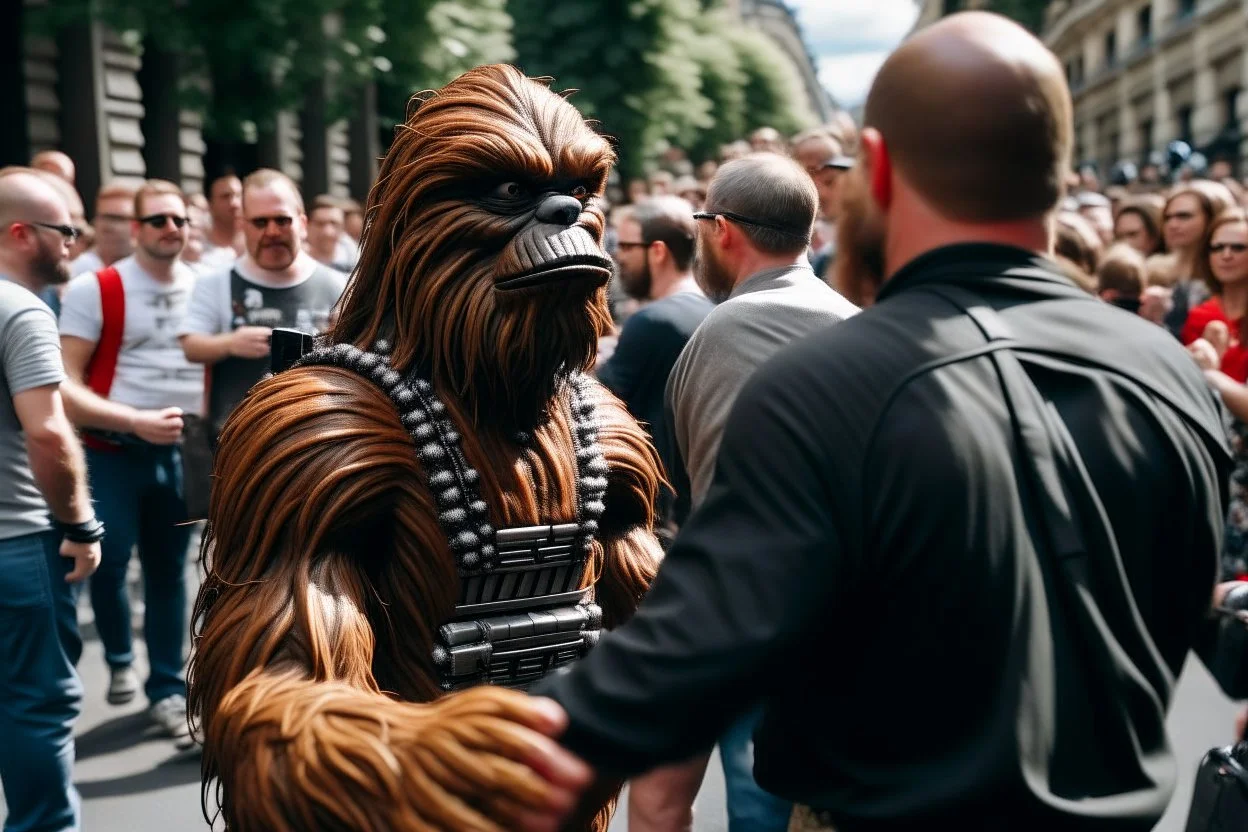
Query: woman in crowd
(1217,333)
(1138,224)
(1189,211)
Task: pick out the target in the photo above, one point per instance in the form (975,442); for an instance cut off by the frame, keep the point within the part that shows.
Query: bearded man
(436,497)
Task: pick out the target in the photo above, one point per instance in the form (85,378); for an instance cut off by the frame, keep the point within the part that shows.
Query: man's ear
(725,233)
(879,167)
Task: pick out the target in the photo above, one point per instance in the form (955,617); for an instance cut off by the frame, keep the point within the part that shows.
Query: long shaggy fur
(327,572)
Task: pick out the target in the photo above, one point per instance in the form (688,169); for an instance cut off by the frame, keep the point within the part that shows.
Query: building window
(1230,108)
(950,6)
(1146,137)
(1186,8)
(1185,124)
(1111,48)
(1144,25)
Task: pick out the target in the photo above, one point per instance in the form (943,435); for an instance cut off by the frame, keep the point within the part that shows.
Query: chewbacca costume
(434,498)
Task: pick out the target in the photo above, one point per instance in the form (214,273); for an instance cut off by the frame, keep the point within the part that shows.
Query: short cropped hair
(668,220)
(267,178)
(773,190)
(153,187)
(114,190)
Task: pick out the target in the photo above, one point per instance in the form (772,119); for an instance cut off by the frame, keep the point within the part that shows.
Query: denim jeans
(138,495)
(40,694)
(750,809)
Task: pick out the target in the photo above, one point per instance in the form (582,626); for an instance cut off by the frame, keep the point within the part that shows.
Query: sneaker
(123,685)
(170,714)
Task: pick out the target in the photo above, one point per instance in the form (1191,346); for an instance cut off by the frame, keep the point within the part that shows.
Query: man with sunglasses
(128,316)
(49,537)
(819,152)
(276,283)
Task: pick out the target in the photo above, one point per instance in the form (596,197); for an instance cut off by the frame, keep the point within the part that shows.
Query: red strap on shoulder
(103,364)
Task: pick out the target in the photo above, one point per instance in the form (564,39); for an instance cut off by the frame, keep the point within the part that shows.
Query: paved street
(134,781)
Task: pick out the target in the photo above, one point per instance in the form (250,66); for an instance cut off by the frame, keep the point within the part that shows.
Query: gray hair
(668,220)
(772,190)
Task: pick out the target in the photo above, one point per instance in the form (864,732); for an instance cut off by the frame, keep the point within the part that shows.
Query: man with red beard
(989,494)
(275,284)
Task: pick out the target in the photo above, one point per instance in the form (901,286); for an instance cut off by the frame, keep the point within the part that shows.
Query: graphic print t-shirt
(240,297)
(152,371)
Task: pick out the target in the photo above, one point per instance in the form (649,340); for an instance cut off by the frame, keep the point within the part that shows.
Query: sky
(851,38)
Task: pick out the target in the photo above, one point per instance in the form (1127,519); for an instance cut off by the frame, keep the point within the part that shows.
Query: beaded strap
(462,514)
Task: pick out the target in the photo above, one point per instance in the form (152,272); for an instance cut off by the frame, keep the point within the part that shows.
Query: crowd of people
(143,330)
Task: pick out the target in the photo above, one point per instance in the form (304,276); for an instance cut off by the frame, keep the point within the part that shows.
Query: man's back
(954,682)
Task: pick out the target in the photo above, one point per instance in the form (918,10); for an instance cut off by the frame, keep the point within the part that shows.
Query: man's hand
(86,559)
(160,427)
(1205,354)
(250,342)
(1155,303)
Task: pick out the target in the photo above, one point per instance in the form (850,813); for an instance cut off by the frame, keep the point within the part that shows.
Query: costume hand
(1155,303)
(1205,354)
(250,342)
(86,559)
(490,762)
(160,427)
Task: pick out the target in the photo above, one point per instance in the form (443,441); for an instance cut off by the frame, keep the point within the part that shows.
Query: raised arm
(322,557)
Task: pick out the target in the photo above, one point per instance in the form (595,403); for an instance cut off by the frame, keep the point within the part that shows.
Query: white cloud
(851,38)
(831,26)
(848,77)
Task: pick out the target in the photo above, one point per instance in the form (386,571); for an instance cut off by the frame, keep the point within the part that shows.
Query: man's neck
(755,262)
(919,230)
(159,269)
(20,276)
(221,237)
(667,285)
(287,275)
(325,258)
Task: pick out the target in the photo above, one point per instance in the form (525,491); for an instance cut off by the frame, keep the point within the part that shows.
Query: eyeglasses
(1180,215)
(1233,248)
(70,233)
(161,220)
(630,244)
(261,223)
(114,217)
(741,220)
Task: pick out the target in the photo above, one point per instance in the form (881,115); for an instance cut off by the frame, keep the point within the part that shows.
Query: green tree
(629,61)
(1029,13)
(774,93)
(723,84)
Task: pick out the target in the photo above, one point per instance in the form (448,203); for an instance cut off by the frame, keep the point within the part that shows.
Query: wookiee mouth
(588,267)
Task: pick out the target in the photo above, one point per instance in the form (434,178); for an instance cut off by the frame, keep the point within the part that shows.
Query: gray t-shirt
(764,313)
(30,357)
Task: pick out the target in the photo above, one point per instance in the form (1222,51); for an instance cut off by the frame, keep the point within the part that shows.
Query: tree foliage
(1030,13)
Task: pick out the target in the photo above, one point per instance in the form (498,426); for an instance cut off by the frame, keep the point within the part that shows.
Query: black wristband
(91,531)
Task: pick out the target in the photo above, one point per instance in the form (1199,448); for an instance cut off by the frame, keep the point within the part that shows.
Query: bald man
(55,162)
(958,545)
(49,538)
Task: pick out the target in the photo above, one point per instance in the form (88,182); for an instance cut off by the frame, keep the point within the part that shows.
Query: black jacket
(871,564)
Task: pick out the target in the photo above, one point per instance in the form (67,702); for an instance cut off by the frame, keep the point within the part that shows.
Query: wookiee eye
(580,192)
(510,190)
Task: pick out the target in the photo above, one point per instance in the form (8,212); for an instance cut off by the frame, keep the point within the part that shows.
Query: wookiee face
(482,256)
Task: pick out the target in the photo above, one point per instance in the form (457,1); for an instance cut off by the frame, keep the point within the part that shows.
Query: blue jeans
(40,694)
(138,495)
(750,809)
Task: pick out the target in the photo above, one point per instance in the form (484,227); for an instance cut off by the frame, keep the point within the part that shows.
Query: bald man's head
(31,211)
(55,162)
(976,116)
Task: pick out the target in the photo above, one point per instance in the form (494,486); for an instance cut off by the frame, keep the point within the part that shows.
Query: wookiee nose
(559,209)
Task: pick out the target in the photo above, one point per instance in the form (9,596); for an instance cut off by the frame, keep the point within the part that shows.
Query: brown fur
(327,570)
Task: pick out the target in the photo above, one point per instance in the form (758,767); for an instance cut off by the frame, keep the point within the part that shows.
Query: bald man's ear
(879,167)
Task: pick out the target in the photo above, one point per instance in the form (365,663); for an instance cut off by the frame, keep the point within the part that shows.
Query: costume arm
(631,553)
(316,507)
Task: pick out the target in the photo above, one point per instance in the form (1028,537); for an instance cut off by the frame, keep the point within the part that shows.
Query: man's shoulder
(15,298)
(676,311)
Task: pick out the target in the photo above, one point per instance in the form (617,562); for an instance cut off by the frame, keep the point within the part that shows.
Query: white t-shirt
(88,261)
(216,258)
(152,371)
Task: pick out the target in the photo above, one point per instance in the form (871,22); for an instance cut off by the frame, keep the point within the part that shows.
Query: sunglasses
(67,231)
(261,223)
(743,220)
(161,220)
(1233,248)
